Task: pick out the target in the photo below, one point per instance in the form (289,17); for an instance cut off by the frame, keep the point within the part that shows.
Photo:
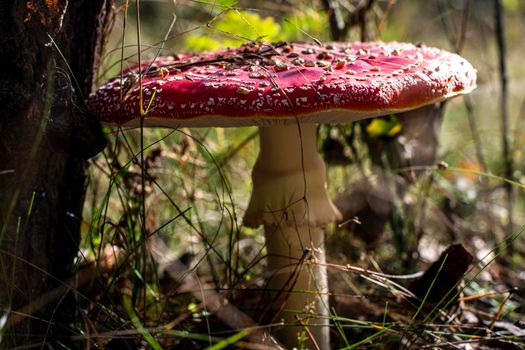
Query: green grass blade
(138,325)
(230,340)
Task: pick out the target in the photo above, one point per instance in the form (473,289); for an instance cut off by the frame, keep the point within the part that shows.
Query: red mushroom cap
(264,84)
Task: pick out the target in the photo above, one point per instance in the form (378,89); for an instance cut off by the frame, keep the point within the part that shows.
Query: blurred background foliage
(407,190)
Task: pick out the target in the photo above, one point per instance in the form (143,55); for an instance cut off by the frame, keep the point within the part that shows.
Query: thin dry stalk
(508,166)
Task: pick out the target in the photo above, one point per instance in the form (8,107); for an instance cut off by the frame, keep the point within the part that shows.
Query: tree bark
(50,50)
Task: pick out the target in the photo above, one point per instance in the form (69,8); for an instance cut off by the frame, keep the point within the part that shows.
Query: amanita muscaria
(286,90)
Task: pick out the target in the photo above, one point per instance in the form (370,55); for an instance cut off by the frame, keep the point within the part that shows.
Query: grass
(200,229)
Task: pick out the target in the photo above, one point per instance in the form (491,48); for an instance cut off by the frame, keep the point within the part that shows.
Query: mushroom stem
(289,198)
(298,279)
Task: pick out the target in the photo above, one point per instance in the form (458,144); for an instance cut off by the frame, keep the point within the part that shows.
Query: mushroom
(286,90)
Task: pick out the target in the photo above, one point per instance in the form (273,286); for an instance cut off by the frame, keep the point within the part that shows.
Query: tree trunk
(50,50)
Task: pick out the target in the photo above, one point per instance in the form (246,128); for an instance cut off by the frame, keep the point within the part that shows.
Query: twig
(488,294)
(386,13)
(458,42)
(474,131)
(462,34)
(507,157)
(500,310)
(307,330)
